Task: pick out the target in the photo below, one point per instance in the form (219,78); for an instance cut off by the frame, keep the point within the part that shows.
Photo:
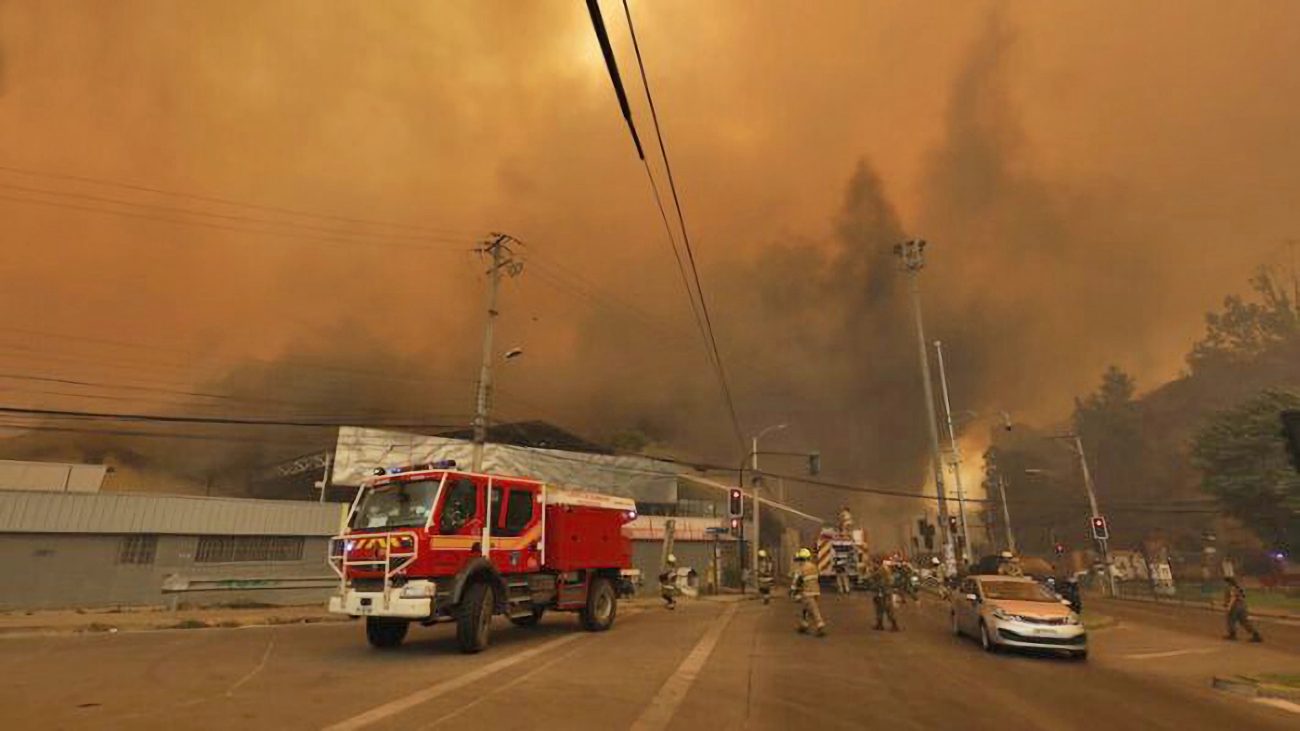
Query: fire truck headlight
(419,590)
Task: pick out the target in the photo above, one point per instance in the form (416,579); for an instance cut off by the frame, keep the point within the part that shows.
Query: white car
(1016,612)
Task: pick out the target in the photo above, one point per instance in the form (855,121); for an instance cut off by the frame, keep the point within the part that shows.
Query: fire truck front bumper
(412,601)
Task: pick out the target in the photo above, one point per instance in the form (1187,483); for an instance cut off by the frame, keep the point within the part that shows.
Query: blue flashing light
(394,470)
(444,464)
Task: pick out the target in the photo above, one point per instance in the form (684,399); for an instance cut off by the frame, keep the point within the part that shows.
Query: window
(459,508)
(237,549)
(495,508)
(397,504)
(519,512)
(139,549)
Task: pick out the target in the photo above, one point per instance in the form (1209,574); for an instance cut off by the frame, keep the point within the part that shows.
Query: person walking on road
(1234,601)
(841,566)
(668,582)
(806,589)
(766,575)
(882,590)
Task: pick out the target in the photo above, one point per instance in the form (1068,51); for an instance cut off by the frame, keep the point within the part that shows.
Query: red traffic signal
(735,503)
(735,526)
(1099,529)
(952,523)
(1060,548)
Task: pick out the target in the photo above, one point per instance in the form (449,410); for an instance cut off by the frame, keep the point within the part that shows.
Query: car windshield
(1025,591)
(397,504)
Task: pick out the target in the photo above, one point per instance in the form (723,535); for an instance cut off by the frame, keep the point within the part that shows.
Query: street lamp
(753,465)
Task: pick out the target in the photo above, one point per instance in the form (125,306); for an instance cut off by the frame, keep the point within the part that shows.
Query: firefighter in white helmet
(806,589)
(668,582)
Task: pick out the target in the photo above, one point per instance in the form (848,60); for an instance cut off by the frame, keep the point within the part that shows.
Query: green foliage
(1244,330)
(1242,456)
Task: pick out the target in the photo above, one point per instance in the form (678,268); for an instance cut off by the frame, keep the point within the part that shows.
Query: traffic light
(1099,529)
(735,503)
(1060,548)
(815,463)
(952,524)
(1291,433)
(735,526)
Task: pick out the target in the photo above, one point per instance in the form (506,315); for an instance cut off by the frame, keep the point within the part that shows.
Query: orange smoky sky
(1091,176)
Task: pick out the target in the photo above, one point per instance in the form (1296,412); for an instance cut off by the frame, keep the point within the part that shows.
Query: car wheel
(474,618)
(385,633)
(986,641)
(956,628)
(602,606)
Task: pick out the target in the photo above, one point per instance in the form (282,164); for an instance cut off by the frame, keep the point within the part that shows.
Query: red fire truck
(432,544)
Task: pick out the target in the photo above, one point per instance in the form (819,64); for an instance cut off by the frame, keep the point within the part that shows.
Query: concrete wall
(51,570)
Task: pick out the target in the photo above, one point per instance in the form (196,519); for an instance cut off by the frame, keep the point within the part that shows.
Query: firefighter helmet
(672,558)
(803,554)
(762,553)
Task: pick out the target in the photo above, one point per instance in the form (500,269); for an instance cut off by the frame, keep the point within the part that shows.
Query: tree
(1246,331)
(1243,461)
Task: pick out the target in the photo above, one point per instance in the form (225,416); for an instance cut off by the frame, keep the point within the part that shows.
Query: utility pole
(1102,543)
(502,261)
(912,255)
(1006,513)
(956,456)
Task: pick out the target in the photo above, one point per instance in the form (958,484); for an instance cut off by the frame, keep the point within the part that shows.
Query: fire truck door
(458,523)
(516,527)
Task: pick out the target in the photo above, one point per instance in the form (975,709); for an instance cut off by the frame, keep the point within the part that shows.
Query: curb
(1201,606)
(1104,622)
(184,624)
(1254,688)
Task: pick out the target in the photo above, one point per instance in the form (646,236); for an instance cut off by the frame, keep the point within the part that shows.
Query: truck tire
(474,617)
(529,620)
(386,633)
(602,606)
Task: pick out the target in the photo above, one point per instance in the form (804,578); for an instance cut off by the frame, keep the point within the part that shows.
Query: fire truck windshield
(398,504)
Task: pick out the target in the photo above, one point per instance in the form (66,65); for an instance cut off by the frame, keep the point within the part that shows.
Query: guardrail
(176,585)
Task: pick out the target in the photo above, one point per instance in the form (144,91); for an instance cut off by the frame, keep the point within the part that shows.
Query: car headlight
(421,590)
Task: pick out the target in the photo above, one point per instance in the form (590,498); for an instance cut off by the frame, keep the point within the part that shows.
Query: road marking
(1279,703)
(1173,653)
(270,645)
(483,697)
(664,705)
(399,705)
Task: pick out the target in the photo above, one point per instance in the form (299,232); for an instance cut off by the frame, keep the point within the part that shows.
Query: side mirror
(972,598)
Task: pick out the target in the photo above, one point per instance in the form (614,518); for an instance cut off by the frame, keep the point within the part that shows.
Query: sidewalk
(1265,612)
(68,621)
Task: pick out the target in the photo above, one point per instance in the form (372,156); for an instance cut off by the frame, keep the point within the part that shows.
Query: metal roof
(60,512)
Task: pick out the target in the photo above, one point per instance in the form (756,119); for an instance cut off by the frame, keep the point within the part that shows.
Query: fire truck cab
(432,544)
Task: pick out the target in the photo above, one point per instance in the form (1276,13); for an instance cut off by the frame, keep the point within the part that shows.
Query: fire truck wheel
(601,607)
(384,633)
(529,620)
(474,618)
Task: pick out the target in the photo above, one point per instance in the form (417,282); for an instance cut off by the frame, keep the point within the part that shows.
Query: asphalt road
(709,665)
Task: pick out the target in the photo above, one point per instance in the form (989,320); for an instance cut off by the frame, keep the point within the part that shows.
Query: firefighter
(1234,601)
(806,590)
(766,575)
(846,520)
(1009,565)
(841,566)
(668,582)
(882,589)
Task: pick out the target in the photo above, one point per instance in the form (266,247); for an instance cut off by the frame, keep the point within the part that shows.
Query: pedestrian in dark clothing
(1234,601)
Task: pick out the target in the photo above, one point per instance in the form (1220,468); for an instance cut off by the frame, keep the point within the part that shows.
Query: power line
(186,419)
(228,201)
(685,233)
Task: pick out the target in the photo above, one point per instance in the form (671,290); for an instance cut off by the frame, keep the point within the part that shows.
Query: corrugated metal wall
(49,512)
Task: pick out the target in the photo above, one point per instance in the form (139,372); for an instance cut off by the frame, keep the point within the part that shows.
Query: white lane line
(1279,703)
(1173,653)
(270,645)
(484,697)
(664,705)
(394,707)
